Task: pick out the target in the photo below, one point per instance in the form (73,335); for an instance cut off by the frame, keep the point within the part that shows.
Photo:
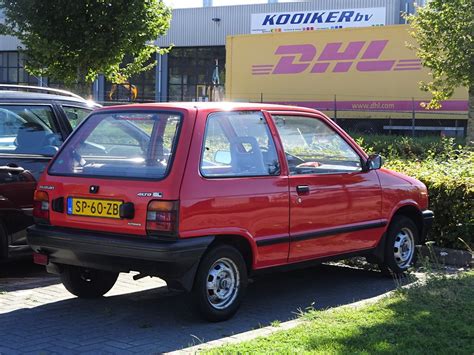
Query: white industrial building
(198,37)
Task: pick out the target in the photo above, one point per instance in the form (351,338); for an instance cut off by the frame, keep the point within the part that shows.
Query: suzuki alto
(203,195)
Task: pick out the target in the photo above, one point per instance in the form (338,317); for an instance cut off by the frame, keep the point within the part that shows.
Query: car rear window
(121,145)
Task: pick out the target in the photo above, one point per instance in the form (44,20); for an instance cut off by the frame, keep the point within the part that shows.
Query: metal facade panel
(196,27)
(9,43)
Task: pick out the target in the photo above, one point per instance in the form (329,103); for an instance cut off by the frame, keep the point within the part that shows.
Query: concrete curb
(237,338)
(266,331)
(445,256)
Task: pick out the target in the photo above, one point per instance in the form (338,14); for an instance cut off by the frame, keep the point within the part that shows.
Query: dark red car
(202,195)
(34,121)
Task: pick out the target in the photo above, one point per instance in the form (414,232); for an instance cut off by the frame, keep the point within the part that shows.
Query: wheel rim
(404,247)
(86,275)
(222,283)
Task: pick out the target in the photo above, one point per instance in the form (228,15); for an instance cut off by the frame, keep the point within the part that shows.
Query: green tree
(444,31)
(74,41)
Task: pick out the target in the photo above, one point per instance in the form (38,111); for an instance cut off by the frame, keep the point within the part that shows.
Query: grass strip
(434,318)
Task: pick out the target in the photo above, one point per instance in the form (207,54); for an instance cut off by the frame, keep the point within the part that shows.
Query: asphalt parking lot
(37,315)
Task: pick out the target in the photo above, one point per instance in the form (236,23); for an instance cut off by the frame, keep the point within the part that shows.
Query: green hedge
(451,190)
(447,169)
(418,148)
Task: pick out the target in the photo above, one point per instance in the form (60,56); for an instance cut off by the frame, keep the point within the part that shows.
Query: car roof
(22,96)
(213,106)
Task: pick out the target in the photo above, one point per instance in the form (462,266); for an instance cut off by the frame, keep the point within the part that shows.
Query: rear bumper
(428,218)
(174,261)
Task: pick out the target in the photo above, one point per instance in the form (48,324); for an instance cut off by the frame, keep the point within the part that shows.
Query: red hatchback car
(202,195)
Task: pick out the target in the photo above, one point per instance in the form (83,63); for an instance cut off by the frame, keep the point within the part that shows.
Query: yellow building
(350,74)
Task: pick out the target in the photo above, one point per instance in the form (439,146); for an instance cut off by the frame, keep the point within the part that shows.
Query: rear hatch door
(116,162)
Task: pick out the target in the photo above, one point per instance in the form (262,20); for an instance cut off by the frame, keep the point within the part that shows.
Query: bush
(410,148)
(446,168)
(451,191)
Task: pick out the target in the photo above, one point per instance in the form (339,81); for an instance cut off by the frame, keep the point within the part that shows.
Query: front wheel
(87,283)
(400,246)
(220,283)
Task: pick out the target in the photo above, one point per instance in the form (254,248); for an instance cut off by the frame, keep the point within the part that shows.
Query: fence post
(413,116)
(261,97)
(335,108)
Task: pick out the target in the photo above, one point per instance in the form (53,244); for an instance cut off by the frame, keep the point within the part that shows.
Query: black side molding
(272,241)
(339,230)
(323,233)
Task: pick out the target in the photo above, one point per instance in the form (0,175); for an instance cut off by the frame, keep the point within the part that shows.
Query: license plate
(93,207)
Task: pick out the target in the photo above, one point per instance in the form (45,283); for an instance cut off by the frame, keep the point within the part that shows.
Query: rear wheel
(87,283)
(220,283)
(400,246)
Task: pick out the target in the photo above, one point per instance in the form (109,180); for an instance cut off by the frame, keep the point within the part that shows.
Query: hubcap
(404,247)
(86,275)
(223,282)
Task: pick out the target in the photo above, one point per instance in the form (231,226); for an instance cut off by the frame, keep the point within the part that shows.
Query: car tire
(87,283)
(220,283)
(400,246)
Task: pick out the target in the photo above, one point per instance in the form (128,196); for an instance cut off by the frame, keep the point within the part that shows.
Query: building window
(12,70)
(192,70)
(140,88)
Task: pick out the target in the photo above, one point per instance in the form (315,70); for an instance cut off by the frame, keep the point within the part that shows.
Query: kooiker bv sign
(314,20)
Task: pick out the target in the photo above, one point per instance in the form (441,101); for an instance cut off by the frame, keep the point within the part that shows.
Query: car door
(335,206)
(29,137)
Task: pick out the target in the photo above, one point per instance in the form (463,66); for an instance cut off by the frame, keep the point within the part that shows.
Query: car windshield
(121,144)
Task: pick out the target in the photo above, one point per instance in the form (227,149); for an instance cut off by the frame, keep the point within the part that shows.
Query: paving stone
(37,347)
(39,316)
(8,350)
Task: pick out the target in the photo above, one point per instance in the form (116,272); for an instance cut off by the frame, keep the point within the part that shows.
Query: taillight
(162,218)
(41,206)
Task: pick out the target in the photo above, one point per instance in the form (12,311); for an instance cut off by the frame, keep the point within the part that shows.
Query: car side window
(28,129)
(312,147)
(76,115)
(238,144)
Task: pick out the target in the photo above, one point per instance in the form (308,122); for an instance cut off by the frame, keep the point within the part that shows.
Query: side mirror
(374,162)
(222,157)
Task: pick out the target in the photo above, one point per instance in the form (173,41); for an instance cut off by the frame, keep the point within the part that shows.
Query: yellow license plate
(93,208)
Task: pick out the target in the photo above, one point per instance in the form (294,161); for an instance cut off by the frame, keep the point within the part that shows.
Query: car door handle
(302,189)
(11,169)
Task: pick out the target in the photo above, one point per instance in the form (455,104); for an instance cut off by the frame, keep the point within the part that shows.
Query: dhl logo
(299,58)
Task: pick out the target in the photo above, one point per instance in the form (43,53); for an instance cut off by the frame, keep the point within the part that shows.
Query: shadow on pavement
(159,320)
(23,274)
